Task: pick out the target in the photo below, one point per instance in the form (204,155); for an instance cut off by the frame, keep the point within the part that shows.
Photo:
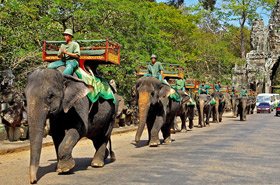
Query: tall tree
(175,3)
(244,12)
(208,4)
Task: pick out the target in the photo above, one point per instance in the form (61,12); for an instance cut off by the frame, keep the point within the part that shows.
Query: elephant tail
(112,154)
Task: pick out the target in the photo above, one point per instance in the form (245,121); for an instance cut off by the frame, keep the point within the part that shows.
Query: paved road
(233,152)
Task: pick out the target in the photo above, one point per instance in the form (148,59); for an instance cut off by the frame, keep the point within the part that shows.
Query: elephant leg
(66,162)
(149,127)
(101,153)
(174,127)
(57,133)
(199,119)
(208,112)
(183,118)
(191,116)
(165,129)
(155,130)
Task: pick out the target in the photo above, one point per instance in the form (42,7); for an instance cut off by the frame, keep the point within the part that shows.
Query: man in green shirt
(155,68)
(180,84)
(203,89)
(69,54)
(217,87)
(243,92)
(233,90)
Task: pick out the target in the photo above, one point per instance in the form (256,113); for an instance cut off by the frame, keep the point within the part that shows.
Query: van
(265,97)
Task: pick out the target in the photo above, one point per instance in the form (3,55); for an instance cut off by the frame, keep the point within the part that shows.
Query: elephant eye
(50,96)
(152,93)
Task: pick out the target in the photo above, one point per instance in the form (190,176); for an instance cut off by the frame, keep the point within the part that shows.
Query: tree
(243,12)
(208,4)
(175,3)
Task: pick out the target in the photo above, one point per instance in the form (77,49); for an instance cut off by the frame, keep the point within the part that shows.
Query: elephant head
(49,93)
(150,93)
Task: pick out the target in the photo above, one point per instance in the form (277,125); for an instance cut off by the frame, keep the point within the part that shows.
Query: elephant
(242,107)
(185,111)
(253,104)
(234,103)
(63,99)
(219,107)
(204,108)
(156,108)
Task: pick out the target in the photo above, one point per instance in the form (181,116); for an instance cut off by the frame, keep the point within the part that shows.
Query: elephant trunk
(217,110)
(144,105)
(36,121)
(201,108)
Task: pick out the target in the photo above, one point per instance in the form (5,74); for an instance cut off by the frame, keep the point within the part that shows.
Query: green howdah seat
(96,52)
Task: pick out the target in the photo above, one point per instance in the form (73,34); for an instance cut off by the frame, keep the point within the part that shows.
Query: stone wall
(261,60)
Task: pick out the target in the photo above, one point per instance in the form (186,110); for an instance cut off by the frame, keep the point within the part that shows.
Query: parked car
(264,107)
(278,110)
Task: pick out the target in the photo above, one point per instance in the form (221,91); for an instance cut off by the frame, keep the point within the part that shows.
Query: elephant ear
(74,90)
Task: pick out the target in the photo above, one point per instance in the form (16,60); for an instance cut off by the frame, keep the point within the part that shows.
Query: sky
(192,2)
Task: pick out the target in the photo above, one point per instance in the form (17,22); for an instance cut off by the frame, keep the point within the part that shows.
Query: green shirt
(203,89)
(243,93)
(180,84)
(73,47)
(217,87)
(154,69)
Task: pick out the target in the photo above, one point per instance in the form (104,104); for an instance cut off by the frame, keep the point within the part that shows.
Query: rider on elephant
(69,54)
(243,92)
(180,85)
(233,90)
(203,89)
(217,87)
(155,68)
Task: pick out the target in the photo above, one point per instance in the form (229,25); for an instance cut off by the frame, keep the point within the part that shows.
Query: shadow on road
(81,164)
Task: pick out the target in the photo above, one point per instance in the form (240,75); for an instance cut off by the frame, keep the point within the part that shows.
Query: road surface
(233,152)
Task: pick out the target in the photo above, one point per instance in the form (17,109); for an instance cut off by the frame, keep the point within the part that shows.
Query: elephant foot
(207,125)
(97,164)
(64,166)
(191,126)
(167,140)
(199,126)
(184,130)
(112,156)
(154,143)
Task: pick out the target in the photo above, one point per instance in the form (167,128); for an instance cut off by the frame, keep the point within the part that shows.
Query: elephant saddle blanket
(101,87)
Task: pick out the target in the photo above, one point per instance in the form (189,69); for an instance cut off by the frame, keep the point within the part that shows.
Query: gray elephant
(234,105)
(219,107)
(185,111)
(204,108)
(242,107)
(156,108)
(253,103)
(63,99)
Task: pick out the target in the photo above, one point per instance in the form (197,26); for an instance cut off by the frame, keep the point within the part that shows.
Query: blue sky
(191,2)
